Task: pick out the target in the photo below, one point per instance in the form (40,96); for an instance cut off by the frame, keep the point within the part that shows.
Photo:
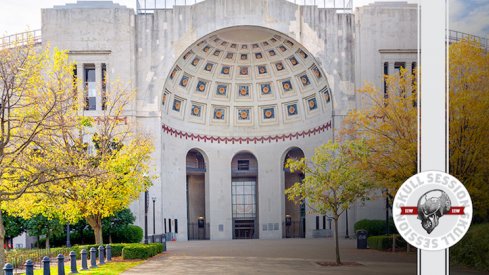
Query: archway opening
(244,196)
(197,225)
(294,224)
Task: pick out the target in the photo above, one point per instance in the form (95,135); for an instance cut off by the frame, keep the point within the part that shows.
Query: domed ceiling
(246,80)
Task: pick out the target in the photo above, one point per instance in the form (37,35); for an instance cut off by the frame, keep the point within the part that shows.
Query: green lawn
(111,268)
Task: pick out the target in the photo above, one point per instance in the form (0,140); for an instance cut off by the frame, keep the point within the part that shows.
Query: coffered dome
(246,80)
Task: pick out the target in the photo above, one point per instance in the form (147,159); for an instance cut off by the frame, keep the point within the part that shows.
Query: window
(104,86)
(243,165)
(317,222)
(90,87)
(75,82)
(398,66)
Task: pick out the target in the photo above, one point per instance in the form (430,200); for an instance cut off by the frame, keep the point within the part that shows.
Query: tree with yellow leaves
(469,124)
(112,158)
(388,124)
(33,85)
(334,179)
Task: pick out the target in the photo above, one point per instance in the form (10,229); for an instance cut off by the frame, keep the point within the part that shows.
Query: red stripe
(413,210)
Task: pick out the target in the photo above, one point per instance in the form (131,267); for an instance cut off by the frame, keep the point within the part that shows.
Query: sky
(469,16)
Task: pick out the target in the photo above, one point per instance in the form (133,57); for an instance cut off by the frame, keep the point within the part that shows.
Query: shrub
(385,242)
(141,251)
(375,227)
(473,249)
(128,234)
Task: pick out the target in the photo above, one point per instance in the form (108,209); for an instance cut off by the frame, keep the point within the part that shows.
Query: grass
(116,266)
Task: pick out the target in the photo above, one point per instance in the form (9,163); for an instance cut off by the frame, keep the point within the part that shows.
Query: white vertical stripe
(432,107)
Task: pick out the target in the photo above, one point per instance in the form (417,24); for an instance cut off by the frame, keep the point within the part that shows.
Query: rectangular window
(176,225)
(90,87)
(104,86)
(243,165)
(317,222)
(324,222)
(398,66)
(164,222)
(169,225)
(75,82)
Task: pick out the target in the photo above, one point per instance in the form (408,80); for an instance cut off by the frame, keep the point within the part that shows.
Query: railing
(198,233)
(20,39)
(293,230)
(454,36)
(149,6)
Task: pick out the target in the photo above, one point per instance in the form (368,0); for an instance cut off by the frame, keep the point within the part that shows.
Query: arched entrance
(294,224)
(197,225)
(244,196)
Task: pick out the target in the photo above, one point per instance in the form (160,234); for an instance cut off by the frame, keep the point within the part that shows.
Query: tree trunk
(47,240)
(96,223)
(110,238)
(336,237)
(2,241)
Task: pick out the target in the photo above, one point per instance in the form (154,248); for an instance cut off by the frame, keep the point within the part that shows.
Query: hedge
(128,234)
(473,249)
(385,242)
(375,227)
(17,257)
(141,251)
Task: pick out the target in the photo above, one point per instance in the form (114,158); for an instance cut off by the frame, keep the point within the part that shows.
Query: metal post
(146,202)
(73,262)
(93,257)
(386,213)
(347,234)
(61,264)
(68,243)
(9,269)
(109,253)
(154,217)
(29,267)
(84,259)
(101,253)
(46,269)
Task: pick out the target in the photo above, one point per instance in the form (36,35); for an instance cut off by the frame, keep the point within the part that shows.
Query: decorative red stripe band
(181,134)
(413,210)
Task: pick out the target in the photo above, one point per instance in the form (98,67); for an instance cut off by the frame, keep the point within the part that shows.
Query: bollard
(163,240)
(9,269)
(101,253)
(29,267)
(84,259)
(93,257)
(61,264)
(109,253)
(46,269)
(73,262)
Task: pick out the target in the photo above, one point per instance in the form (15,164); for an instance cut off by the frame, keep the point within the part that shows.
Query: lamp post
(154,216)
(68,243)
(146,204)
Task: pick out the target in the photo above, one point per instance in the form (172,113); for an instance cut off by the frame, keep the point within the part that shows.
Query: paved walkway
(287,256)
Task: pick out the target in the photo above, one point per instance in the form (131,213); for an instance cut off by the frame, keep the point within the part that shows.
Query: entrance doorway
(244,196)
(197,226)
(294,224)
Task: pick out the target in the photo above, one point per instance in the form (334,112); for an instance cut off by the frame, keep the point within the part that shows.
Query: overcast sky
(470,16)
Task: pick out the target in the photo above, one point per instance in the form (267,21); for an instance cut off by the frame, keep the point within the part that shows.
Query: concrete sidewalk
(286,256)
